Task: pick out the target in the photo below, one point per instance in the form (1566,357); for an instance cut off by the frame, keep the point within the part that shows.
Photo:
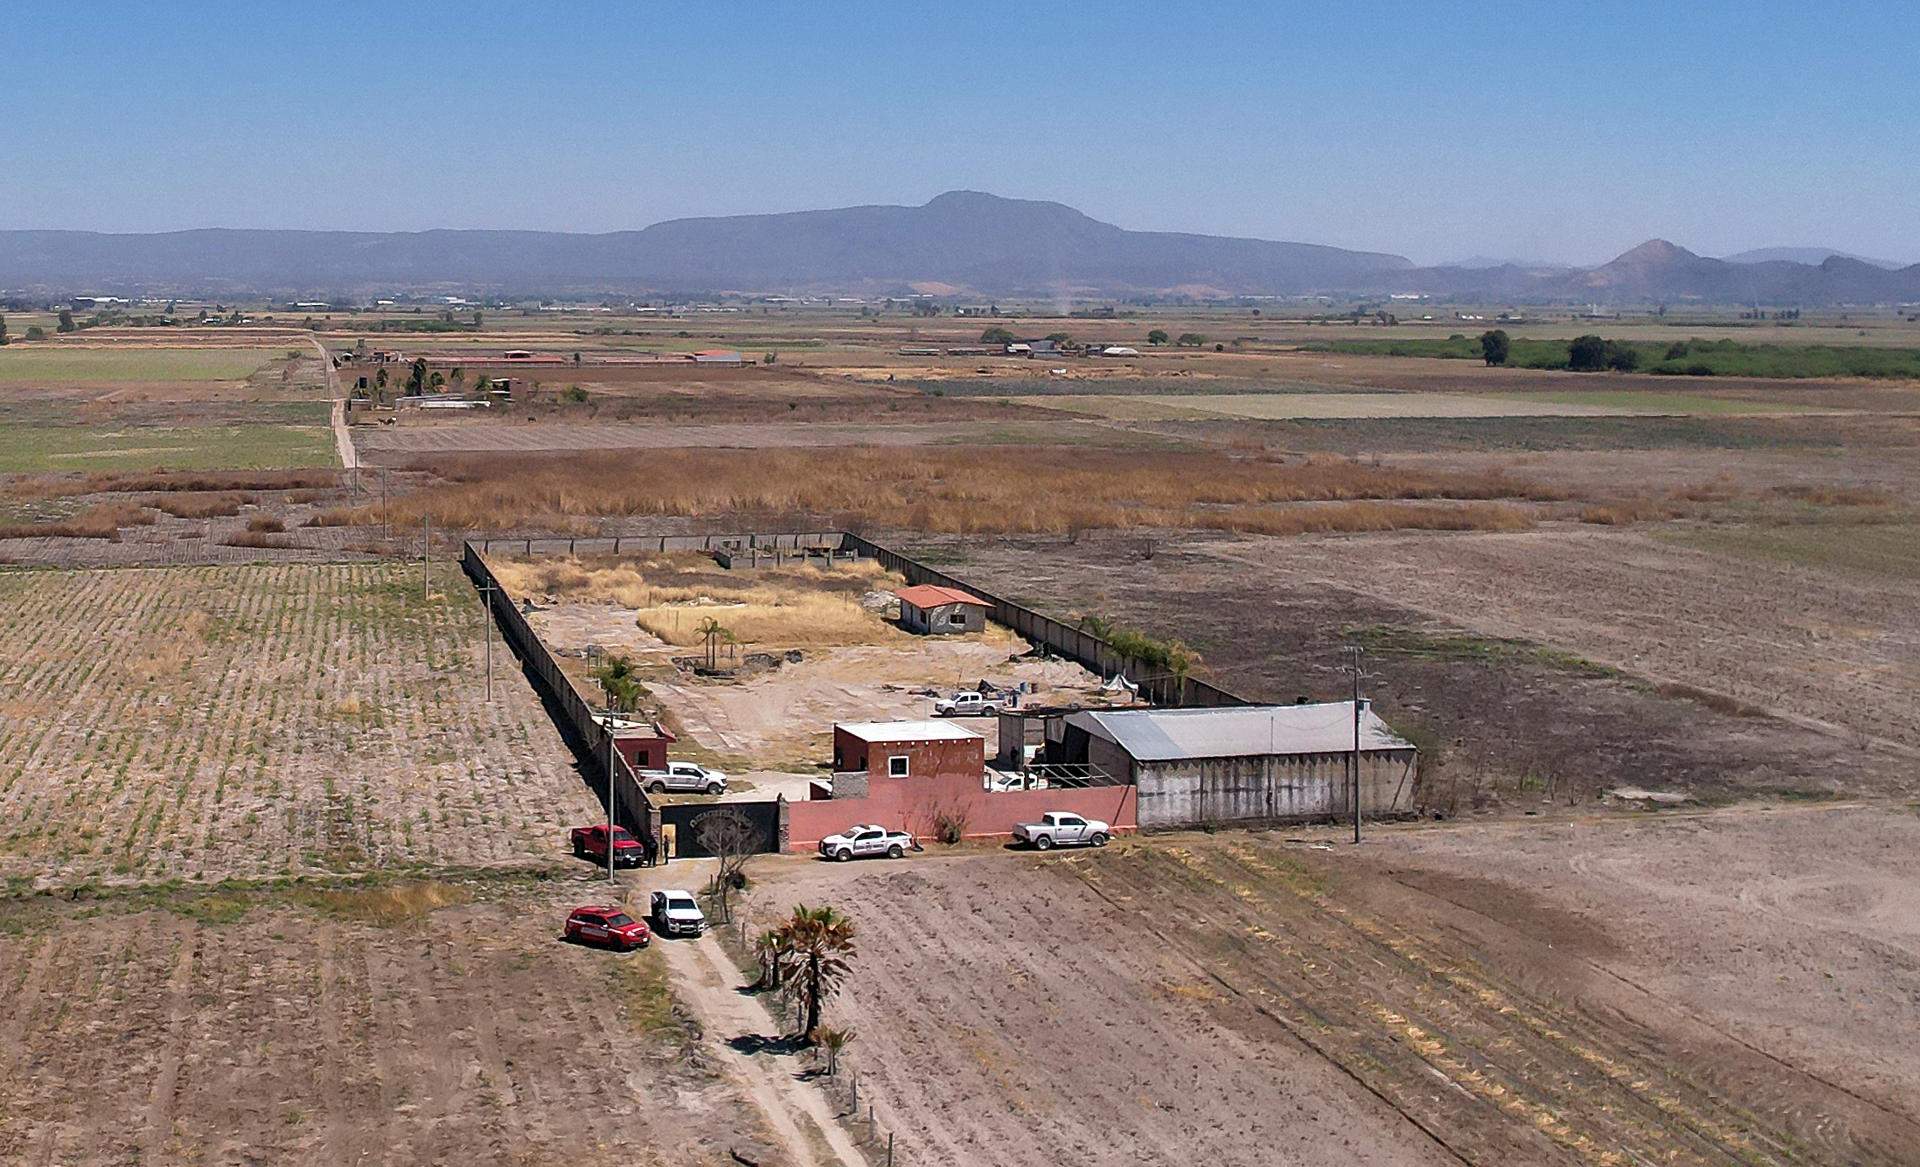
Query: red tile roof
(933,595)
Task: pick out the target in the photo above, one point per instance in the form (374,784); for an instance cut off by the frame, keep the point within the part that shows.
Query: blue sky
(1438,131)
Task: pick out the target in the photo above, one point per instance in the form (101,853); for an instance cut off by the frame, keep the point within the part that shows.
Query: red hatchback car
(608,926)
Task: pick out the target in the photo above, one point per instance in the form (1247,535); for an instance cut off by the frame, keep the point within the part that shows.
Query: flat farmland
(1510,996)
(260,721)
(1278,406)
(409,1022)
(32,364)
(138,404)
(40,449)
(1829,646)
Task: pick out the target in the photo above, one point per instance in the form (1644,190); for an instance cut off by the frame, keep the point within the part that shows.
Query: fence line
(632,808)
(1075,644)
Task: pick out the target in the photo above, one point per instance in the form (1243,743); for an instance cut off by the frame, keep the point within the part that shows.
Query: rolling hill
(962,243)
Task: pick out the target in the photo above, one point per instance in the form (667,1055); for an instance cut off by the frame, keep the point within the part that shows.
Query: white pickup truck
(684,776)
(967,704)
(865,841)
(1057,828)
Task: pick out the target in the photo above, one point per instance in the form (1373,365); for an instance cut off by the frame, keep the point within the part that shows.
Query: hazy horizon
(1439,135)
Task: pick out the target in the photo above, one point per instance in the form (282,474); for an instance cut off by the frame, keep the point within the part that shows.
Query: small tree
(1495,346)
(1587,354)
(768,946)
(417,377)
(1190,340)
(1157,336)
(833,1039)
(35,332)
(66,321)
(620,681)
(730,837)
(996,335)
(3,330)
(713,632)
(816,946)
(1622,357)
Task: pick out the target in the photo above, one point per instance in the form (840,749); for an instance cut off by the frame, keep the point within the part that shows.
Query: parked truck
(1058,828)
(684,777)
(862,842)
(967,704)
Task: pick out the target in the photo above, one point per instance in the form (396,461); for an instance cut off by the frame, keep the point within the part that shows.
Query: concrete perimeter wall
(1094,653)
(631,807)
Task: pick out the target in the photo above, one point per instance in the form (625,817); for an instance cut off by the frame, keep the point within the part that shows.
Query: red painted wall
(910,803)
(948,756)
(642,752)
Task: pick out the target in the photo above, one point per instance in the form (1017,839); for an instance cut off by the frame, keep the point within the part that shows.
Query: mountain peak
(1655,251)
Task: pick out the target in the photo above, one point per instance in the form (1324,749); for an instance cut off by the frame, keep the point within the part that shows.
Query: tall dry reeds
(1001,489)
(96,522)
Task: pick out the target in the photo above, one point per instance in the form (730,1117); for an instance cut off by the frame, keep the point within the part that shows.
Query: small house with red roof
(932,610)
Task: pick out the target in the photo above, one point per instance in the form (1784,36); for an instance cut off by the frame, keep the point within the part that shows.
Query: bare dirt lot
(426,1022)
(1520,719)
(1831,647)
(1483,995)
(839,655)
(200,723)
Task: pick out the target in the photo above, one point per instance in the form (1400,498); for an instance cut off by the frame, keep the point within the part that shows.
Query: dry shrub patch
(673,596)
(200,505)
(96,522)
(265,523)
(1037,490)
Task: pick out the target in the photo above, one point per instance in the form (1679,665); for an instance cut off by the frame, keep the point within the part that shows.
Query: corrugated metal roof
(933,595)
(906,731)
(1161,735)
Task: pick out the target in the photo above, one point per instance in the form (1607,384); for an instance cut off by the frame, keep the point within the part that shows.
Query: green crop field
(1692,357)
(29,363)
(38,449)
(1890,549)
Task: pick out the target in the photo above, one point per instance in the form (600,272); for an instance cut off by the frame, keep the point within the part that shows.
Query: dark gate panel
(765,817)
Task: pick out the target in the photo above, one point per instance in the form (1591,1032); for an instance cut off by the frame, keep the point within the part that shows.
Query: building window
(957,618)
(897,766)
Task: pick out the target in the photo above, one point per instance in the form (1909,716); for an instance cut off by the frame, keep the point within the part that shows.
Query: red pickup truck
(591,843)
(607,925)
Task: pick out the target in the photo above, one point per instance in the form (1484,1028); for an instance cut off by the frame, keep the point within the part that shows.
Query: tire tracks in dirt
(797,1113)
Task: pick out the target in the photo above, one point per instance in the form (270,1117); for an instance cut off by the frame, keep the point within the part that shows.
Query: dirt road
(736,1024)
(342,437)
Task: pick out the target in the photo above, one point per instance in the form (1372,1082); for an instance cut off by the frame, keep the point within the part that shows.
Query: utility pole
(1356,650)
(610,752)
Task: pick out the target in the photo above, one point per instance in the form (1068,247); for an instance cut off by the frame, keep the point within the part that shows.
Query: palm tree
(712,631)
(833,1040)
(813,959)
(1096,626)
(620,680)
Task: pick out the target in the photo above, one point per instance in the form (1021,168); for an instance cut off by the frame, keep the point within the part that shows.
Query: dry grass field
(260,721)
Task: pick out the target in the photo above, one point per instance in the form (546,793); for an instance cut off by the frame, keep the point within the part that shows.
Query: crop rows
(263,720)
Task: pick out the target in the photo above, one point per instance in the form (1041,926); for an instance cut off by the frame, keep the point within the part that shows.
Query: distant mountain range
(963,243)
